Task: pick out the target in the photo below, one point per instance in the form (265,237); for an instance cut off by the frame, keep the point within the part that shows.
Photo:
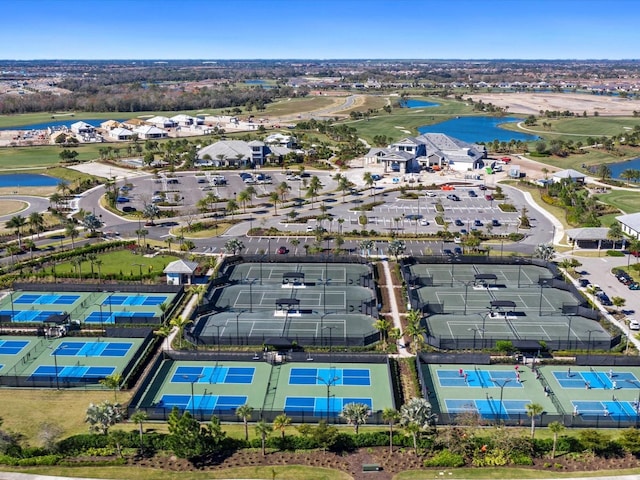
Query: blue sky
(319,29)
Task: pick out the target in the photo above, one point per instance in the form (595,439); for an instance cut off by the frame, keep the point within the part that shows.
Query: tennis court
(614,409)
(478,378)
(297,298)
(301,389)
(70,373)
(315,327)
(93,349)
(97,307)
(476,305)
(46,299)
(488,408)
(12,347)
(217,374)
(492,391)
(135,300)
(270,273)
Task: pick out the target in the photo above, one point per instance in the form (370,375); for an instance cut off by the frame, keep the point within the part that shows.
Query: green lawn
(622,199)
(121,261)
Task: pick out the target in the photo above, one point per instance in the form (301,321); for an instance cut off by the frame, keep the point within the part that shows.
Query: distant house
(110,125)
(120,134)
(162,122)
(147,132)
(630,224)
(568,175)
(134,123)
(281,140)
(239,153)
(412,154)
(186,120)
(180,272)
(82,128)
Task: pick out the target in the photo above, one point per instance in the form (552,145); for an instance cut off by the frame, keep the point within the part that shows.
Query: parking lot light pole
(238,325)
(55,363)
(589,341)
(251,281)
(519,262)
(193,403)
(635,384)
(330,328)
(543,283)
(12,308)
(218,336)
(475,331)
(501,384)
(324,284)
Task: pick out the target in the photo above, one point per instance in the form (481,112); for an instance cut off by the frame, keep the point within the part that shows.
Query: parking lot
(184,190)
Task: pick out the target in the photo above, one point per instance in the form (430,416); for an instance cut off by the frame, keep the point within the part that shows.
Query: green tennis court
(307,390)
(476,305)
(68,362)
(270,273)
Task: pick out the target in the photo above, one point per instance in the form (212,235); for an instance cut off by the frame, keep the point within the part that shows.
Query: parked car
(495,223)
(489,197)
(457,251)
(453,197)
(634,286)
(457,240)
(282,250)
(431,194)
(634,325)
(424,222)
(472,194)
(122,200)
(463,231)
(459,223)
(447,251)
(477,223)
(584,282)
(482,187)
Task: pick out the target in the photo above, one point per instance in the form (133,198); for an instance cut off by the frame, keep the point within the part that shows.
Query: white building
(120,133)
(82,128)
(630,224)
(147,132)
(162,122)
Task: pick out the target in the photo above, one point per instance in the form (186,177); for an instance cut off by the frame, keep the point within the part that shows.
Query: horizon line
(318,59)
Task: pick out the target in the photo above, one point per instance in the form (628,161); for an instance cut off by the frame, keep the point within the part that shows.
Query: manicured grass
(25,410)
(121,261)
(8,207)
(622,199)
(299,105)
(289,472)
(15,158)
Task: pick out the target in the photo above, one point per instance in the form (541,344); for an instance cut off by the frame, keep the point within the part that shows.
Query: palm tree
(274,198)
(243,197)
(416,416)
(555,428)
(113,382)
(533,410)
(414,329)
(17,222)
(263,430)
(615,234)
(36,222)
(355,414)
(180,323)
(369,181)
(283,189)
(382,325)
(604,172)
(98,264)
(140,417)
(72,232)
(163,332)
(281,422)
(391,416)
(244,412)
(295,242)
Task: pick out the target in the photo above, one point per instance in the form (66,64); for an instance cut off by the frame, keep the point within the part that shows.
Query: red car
(282,250)
(489,197)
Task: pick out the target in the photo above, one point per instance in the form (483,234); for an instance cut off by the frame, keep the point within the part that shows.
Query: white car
(424,222)
(430,194)
(634,325)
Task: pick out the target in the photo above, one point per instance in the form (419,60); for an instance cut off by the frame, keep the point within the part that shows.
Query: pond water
(478,129)
(411,103)
(60,123)
(28,180)
(618,168)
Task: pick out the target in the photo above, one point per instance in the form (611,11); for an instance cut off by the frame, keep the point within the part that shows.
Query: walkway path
(393,304)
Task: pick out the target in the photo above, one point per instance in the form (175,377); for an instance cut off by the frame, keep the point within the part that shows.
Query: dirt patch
(532,103)
(8,207)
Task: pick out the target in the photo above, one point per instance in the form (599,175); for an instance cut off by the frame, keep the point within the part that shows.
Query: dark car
(457,251)
(447,251)
(584,282)
(489,197)
(495,223)
(459,223)
(282,250)
(477,223)
(482,187)
(463,231)
(472,194)
(122,200)
(127,209)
